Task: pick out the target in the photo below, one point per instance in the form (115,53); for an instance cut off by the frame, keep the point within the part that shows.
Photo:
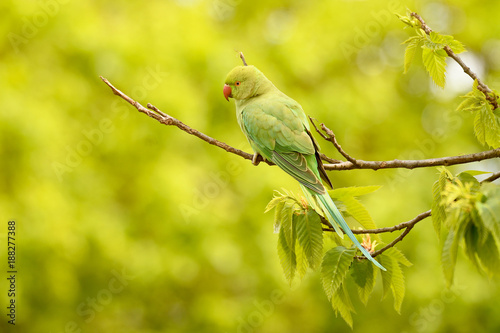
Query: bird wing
(278,133)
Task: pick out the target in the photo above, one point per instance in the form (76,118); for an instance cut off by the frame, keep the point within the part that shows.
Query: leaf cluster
(433,53)
(435,49)
(470,213)
(486,120)
(300,246)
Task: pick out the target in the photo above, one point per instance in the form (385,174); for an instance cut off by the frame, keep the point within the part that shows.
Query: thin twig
(169,120)
(243,59)
(488,93)
(323,156)
(405,225)
(333,140)
(409,225)
(492,178)
(396,227)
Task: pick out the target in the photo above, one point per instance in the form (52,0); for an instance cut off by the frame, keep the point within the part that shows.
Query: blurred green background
(126,225)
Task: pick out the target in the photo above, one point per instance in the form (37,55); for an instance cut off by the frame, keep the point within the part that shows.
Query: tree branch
(243,59)
(165,119)
(413,164)
(334,164)
(408,226)
(488,93)
(396,227)
(492,178)
(353,163)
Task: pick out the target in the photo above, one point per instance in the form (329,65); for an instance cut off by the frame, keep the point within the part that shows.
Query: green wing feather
(280,135)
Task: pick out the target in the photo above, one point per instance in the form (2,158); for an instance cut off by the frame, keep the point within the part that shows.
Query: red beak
(227,92)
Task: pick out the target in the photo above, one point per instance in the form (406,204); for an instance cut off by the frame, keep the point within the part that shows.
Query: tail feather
(337,221)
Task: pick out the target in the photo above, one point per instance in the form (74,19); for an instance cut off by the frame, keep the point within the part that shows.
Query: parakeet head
(244,82)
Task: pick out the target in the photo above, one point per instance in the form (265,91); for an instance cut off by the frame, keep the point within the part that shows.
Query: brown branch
(243,59)
(492,178)
(409,225)
(488,93)
(413,164)
(323,156)
(169,121)
(396,227)
(405,225)
(353,163)
(333,140)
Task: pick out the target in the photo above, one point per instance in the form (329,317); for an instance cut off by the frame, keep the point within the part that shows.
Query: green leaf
(393,278)
(470,103)
(310,236)
(434,41)
(353,191)
(286,243)
(405,19)
(286,226)
(412,47)
(341,303)
(438,213)
(489,216)
(334,268)
(456,46)
(388,263)
(438,209)
(397,287)
(468,177)
(397,255)
(487,126)
(449,256)
(435,63)
(354,207)
(489,256)
(488,208)
(364,275)
(277,199)
(475,172)
(486,121)
(471,240)
(302,262)
(288,259)
(277,215)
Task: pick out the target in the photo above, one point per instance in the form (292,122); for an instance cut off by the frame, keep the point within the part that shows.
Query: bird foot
(256,159)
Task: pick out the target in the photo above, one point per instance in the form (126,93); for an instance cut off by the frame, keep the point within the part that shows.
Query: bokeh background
(126,225)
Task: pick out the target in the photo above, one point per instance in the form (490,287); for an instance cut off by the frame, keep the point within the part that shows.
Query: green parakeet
(278,130)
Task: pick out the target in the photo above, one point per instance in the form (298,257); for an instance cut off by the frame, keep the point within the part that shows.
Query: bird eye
(237,83)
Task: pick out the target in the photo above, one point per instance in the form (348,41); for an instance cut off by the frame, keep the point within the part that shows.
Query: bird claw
(256,159)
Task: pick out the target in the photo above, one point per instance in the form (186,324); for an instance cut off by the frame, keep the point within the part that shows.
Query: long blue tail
(337,221)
